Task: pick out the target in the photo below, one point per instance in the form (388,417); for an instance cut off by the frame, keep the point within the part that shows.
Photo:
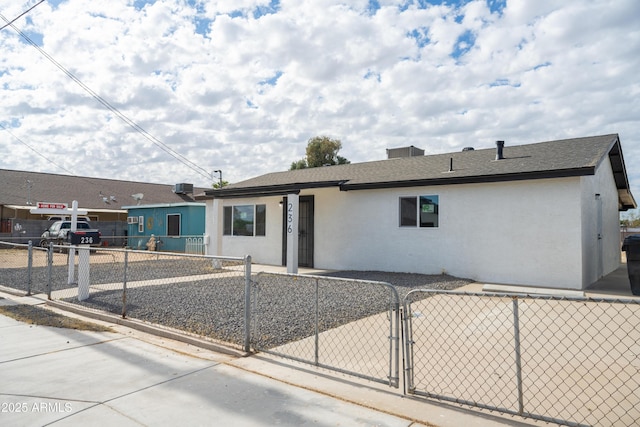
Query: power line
(113,109)
(82,178)
(36,151)
(20,16)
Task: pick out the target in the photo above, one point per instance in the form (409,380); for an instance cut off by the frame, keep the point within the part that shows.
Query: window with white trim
(244,220)
(419,211)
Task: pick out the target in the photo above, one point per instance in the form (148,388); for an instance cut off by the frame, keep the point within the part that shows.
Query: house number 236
(289,217)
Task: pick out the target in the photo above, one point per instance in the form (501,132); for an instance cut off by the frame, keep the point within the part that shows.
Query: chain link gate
(345,325)
(571,361)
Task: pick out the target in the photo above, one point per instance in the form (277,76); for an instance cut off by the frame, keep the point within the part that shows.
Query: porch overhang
(265,191)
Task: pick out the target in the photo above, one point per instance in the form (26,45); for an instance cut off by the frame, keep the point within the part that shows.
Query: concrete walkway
(54,376)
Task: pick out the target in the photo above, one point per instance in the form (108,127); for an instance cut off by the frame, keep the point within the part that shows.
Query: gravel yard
(283,308)
(190,295)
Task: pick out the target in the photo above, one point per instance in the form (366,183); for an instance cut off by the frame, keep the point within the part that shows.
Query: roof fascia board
(252,192)
(521,176)
(165,205)
(616,160)
(274,190)
(19,207)
(29,207)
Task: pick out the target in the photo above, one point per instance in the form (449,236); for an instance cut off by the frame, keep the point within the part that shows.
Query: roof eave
(263,191)
(626,200)
(453,180)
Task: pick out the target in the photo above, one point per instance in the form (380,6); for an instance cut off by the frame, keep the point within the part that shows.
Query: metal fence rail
(349,326)
(572,361)
(203,295)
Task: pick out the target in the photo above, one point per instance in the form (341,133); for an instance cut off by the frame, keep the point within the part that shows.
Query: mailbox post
(83,239)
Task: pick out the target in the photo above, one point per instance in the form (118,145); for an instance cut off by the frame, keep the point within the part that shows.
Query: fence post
(49,269)
(247,303)
(29,265)
(516,335)
(317,338)
(407,339)
(124,284)
(394,377)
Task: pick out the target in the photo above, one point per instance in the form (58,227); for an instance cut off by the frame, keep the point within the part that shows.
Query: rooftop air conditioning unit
(411,151)
(183,188)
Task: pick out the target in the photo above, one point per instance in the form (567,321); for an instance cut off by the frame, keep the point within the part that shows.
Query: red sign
(44,205)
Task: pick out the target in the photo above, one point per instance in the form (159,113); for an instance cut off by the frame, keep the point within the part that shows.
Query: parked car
(58,232)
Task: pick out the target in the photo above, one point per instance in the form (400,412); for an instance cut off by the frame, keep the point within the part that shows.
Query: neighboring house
(103,199)
(176,227)
(544,214)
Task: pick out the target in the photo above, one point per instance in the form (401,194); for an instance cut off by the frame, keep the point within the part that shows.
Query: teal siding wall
(156,222)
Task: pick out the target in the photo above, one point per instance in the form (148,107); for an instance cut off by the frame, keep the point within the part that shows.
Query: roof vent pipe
(499,148)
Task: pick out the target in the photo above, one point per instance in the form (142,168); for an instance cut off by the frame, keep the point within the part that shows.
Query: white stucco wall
(537,232)
(597,263)
(263,249)
(515,233)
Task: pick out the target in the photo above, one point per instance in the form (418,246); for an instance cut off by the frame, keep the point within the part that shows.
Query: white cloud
(246,93)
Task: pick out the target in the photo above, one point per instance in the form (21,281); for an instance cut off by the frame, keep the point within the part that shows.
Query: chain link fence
(201,295)
(571,361)
(23,267)
(346,325)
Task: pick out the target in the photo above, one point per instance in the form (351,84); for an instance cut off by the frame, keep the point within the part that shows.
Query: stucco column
(292,233)
(213,227)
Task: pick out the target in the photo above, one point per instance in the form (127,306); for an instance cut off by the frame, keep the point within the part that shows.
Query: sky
(170,91)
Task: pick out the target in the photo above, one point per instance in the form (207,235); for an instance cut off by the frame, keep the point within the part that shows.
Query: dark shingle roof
(21,187)
(569,157)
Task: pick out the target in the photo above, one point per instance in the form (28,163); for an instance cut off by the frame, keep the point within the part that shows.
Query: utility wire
(113,109)
(83,178)
(36,151)
(20,16)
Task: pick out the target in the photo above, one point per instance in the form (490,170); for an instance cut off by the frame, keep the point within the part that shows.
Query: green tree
(630,219)
(220,184)
(300,164)
(321,151)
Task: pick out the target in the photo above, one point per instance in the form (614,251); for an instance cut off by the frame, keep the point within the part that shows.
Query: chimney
(499,147)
